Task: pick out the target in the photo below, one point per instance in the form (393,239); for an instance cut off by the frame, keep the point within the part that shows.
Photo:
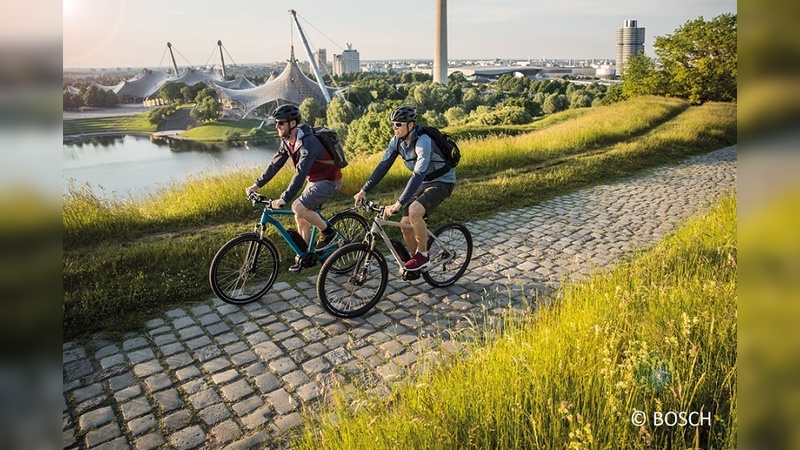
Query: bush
(511,115)
(232,135)
(157,116)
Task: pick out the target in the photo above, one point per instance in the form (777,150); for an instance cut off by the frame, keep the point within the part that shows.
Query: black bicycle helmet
(403,113)
(288,112)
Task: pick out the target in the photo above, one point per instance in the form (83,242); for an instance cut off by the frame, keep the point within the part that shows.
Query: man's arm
(389,156)
(277,162)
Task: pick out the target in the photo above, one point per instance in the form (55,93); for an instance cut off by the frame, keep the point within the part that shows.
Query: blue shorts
(317,192)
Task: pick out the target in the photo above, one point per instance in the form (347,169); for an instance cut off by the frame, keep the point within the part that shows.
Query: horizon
(363,61)
(118,33)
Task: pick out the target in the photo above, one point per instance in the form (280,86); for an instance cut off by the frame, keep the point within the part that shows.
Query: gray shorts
(317,192)
(431,195)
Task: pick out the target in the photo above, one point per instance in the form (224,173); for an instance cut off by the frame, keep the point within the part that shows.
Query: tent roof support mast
(311,58)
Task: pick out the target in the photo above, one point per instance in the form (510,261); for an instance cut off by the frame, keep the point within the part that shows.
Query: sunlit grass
(657,334)
(217,130)
(121,124)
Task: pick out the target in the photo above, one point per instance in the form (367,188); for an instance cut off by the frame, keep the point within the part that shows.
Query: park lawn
(219,130)
(134,123)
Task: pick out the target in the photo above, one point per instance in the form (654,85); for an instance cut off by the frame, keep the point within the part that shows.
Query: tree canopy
(698,62)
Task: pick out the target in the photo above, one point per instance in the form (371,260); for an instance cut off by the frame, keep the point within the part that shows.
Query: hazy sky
(111,33)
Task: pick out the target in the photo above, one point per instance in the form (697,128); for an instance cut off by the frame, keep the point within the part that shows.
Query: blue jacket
(421,156)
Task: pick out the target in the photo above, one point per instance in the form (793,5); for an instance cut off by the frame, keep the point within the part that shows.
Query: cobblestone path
(215,375)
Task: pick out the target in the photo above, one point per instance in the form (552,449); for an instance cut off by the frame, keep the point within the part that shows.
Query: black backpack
(330,140)
(448,147)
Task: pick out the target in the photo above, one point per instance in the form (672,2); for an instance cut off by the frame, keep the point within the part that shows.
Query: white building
(630,41)
(348,62)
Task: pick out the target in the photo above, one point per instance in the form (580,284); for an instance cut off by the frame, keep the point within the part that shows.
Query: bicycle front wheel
(450,254)
(353,292)
(244,269)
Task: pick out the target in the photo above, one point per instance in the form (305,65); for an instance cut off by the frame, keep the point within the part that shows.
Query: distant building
(348,62)
(630,41)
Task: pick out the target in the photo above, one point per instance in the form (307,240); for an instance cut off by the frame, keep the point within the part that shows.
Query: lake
(132,166)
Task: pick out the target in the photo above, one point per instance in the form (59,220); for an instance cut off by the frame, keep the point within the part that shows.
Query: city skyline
(121,33)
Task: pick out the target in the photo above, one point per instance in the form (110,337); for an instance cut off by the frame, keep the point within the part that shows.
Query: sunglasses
(398,124)
(279,123)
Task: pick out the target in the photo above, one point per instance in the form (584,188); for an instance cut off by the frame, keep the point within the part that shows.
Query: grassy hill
(125,261)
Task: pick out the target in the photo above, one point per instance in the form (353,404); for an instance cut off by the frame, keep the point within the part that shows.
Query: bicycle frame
(379,223)
(268,218)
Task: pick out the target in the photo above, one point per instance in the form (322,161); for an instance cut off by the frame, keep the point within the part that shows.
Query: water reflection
(130,166)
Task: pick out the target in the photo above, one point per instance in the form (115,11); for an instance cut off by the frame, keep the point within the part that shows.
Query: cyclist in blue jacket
(430,184)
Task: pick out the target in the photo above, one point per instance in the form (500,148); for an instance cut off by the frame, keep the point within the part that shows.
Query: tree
(312,111)
(434,119)
(72,101)
(96,97)
(701,58)
(207,108)
(698,63)
(642,78)
(171,91)
(189,93)
(509,115)
(555,103)
(340,112)
(369,134)
(430,96)
(580,99)
(455,115)
(531,107)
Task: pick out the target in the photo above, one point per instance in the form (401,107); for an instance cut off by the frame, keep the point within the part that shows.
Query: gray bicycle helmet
(288,112)
(403,113)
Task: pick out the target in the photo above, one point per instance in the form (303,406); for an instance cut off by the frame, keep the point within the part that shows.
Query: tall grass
(657,334)
(88,219)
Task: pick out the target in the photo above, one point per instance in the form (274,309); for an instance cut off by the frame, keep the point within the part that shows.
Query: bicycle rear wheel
(353,292)
(244,269)
(450,254)
(352,227)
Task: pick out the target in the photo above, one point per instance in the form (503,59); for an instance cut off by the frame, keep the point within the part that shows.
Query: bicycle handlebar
(368,205)
(256,198)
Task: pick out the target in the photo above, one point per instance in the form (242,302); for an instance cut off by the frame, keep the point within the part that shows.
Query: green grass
(135,123)
(216,131)
(214,198)
(125,260)
(656,334)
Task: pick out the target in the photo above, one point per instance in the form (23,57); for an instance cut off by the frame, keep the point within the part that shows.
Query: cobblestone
(214,375)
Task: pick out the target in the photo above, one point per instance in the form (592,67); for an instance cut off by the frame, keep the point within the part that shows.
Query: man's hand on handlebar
(360,198)
(251,190)
(391,209)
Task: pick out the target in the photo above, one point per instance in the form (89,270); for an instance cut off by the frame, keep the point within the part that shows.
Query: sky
(128,33)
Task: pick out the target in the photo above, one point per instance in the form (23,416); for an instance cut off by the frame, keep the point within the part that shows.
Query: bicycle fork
(359,276)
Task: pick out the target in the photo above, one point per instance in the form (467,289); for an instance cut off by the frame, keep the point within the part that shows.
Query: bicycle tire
(352,227)
(350,293)
(458,239)
(236,277)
